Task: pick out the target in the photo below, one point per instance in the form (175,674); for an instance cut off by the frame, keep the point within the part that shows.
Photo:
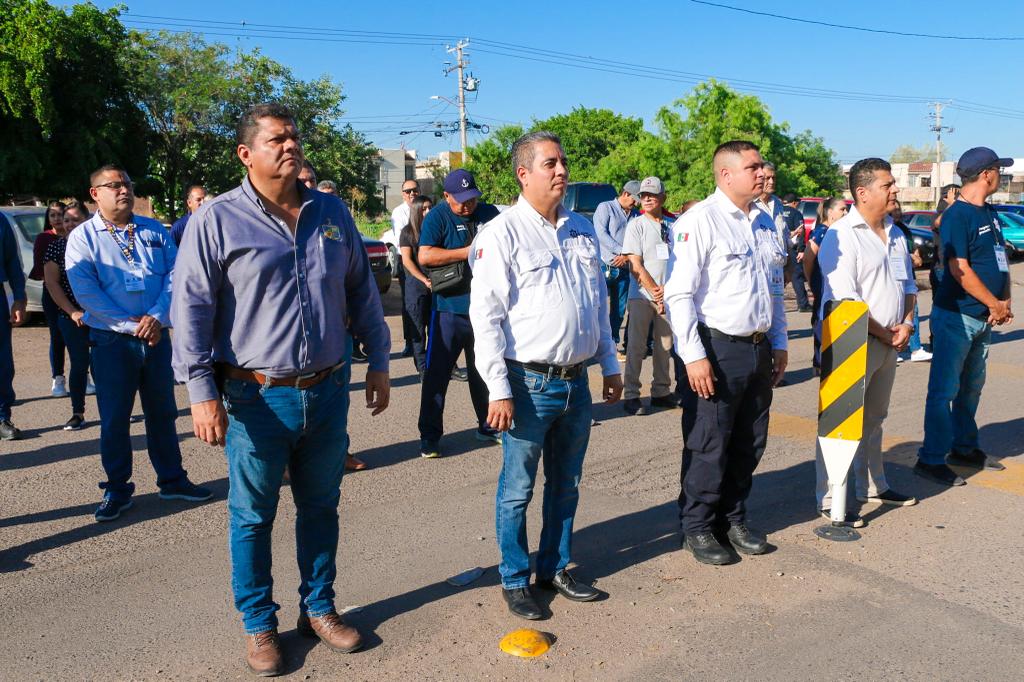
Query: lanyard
(126,249)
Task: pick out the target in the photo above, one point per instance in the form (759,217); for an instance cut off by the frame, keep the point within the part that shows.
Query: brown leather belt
(299,381)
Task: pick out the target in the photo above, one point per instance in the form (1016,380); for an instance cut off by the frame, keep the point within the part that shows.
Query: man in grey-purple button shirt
(270,281)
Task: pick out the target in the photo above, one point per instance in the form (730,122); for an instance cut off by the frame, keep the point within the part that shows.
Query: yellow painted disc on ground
(525,643)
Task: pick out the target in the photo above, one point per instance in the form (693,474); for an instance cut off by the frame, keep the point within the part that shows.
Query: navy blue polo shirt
(972,233)
(444,229)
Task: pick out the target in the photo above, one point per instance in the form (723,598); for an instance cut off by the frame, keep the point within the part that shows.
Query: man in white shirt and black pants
(864,257)
(539,310)
(724,302)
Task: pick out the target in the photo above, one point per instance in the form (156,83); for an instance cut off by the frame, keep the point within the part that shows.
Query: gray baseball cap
(651,185)
(633,187)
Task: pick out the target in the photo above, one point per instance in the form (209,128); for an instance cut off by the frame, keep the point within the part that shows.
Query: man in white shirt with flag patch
(539,310)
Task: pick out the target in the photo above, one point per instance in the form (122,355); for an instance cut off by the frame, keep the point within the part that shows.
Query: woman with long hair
(417,285)
(72,328)
(829,211)
(54,223)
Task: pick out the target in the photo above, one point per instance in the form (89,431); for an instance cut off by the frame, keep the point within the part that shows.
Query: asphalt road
(934,591)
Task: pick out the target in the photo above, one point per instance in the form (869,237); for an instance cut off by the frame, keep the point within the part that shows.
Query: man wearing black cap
(973,295)
(445,237)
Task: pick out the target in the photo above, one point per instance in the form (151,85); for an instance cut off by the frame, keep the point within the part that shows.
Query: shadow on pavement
(63,451)
(452,444)
(146,508)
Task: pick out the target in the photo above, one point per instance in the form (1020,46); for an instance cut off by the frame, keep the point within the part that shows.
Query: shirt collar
(531,213)
(726,203)
(97,221)
(857,220)
(306,195)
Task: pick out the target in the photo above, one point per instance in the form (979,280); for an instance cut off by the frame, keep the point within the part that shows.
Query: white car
(27,222)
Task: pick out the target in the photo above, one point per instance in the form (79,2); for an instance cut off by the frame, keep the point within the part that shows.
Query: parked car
(919,219)
(583,197)
(808,206)
(924,240)
(1012,225)
(27,222)
(378,253)
(1009,208)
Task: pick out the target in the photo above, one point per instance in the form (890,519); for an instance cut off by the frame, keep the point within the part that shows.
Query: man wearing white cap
(646,245)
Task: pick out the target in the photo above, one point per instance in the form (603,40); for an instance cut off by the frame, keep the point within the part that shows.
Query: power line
(856,28)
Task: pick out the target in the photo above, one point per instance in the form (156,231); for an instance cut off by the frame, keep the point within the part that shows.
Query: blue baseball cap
(973,161)
(461,186)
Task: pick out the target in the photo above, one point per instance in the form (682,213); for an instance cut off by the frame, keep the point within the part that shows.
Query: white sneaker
(899,359)
(58,389)
(90,388)
(920,355)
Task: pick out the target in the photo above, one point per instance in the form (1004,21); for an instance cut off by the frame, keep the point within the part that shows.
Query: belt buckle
(758,337)
(553,372)
(302,377)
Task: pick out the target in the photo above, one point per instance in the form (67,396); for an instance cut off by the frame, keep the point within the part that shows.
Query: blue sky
(388,85)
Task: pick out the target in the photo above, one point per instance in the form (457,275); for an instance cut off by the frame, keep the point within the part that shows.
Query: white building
(920,182)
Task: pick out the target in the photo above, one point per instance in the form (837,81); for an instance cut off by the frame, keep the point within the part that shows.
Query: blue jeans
(551,420)
(617,280)
(77,341)
(957,375)
(125,365)
(6,361)
(269,429)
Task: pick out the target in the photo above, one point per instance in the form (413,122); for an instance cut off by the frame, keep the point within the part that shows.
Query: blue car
(1012,225)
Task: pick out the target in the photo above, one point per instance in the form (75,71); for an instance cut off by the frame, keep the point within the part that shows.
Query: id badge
(1001,259)
(898,266)
(777,281)
(662,252)
(134,280)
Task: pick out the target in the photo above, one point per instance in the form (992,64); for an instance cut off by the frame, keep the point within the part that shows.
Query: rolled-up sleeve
(686,261)
(100,310)
(488,309)
(366,313)
(197,281)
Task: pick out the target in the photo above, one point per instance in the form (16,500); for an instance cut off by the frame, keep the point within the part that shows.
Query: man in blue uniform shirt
(119,265)
(270,275)
(194,198)
(973,296)
(610,218)
(11,272)
(445,237)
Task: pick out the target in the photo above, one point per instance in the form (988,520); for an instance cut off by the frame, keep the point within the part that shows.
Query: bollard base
(837,533)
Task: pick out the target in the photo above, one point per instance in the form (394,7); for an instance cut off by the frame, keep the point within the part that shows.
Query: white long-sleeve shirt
(538,295)
(855,264)
(724,271)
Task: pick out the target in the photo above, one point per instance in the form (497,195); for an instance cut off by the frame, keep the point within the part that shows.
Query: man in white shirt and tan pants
(864,257)
(724,301)
(539,310)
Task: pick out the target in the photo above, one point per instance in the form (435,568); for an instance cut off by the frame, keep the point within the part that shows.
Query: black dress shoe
(938,473)
(9,431)
(566,585)
(669,402)
(746,542)
(634,406)
(521,603)
(707,549)
(976,458)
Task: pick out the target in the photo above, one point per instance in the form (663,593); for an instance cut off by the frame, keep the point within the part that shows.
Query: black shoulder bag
(453,279)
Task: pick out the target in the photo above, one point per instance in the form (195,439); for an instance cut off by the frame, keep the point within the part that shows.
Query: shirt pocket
(537,286)
(737,268)
(153,258)
(334,254)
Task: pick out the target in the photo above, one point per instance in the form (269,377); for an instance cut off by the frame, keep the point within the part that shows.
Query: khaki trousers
(868,470)
(642,313)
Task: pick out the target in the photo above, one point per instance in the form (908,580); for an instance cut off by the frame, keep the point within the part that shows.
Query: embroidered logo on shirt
(479,254)
(331,231)
(683,237)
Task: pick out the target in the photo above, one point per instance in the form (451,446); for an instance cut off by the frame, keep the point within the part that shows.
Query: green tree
(193,92)
(490,162)
(65,105)
(589,136)
(908,153)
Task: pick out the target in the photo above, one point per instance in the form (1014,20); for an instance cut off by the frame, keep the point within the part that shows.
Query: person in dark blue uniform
(445,239)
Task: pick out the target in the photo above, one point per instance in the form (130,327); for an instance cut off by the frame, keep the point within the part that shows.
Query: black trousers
(408,324)
(724,437)
(416,301)
(798,280)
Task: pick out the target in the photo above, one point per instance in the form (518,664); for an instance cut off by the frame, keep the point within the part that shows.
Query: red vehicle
(809,208)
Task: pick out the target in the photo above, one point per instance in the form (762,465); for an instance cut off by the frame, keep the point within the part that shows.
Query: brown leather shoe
(332,631)
(263,654)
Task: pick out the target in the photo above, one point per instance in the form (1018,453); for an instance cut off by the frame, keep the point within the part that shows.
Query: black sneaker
(75,423)
(429,450)
(185,490)
(358,355)
(9,431)
(852,520)
(938,473)
(460,374)
(668,401)
(634,406)
(890,497)
(976,458)
(111,507)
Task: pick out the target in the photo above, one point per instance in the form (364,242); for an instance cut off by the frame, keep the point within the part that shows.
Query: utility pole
(461,62)
(937,128)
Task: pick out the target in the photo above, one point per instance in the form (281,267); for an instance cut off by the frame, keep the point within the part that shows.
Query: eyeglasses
(410,191)
(116,186)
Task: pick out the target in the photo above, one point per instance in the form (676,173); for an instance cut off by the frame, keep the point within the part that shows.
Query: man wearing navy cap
(445,239)
(973,295)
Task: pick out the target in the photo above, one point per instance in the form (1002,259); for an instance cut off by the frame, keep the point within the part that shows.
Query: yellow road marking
(806,429)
